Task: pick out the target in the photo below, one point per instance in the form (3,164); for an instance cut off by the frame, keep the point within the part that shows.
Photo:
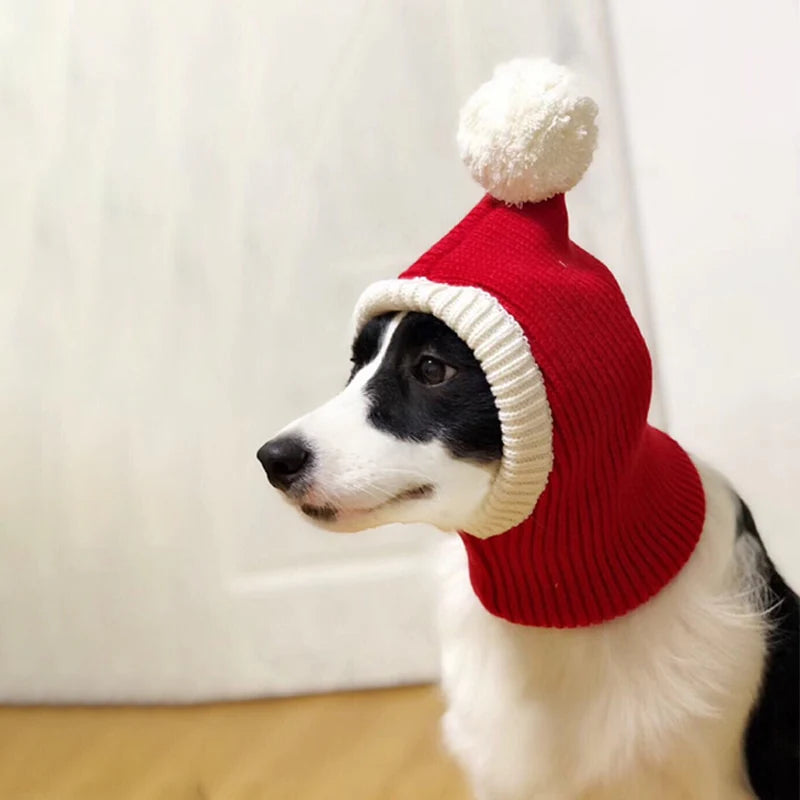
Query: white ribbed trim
(501,347)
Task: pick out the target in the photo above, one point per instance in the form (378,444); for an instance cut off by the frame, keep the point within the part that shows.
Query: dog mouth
(329,513)
(319,513)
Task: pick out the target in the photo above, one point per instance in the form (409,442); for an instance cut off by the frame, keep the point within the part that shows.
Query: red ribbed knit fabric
(624,506)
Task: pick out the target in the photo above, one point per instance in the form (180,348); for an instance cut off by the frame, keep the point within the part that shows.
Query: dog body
(691,695)
(650,705)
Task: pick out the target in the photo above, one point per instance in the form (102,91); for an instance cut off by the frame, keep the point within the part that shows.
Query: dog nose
(284,460)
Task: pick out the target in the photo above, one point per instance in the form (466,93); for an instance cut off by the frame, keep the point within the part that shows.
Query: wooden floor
(381,745)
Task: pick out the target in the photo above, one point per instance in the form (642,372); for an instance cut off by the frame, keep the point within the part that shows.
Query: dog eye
(432,372)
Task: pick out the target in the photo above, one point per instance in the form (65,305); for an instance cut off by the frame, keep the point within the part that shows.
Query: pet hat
(592,510)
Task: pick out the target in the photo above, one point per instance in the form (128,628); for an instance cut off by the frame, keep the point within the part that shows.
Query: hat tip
(526,135)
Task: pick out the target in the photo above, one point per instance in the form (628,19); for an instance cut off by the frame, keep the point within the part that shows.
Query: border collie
(693,694)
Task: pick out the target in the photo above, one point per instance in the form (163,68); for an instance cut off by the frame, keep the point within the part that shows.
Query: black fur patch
(772,743)
(460,412)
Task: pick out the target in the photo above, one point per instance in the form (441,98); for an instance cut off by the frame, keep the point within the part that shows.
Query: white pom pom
(524,135)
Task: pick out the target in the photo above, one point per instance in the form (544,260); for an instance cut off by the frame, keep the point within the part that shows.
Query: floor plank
(380,745)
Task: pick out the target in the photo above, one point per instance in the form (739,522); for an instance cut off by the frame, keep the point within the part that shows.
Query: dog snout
(285,460)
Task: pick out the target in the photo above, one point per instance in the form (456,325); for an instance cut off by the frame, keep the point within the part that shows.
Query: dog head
(414,436)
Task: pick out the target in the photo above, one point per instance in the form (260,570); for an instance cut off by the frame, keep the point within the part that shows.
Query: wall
(712,103)
(193,195)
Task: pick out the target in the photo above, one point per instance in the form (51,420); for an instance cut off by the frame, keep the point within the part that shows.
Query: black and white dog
(692,695)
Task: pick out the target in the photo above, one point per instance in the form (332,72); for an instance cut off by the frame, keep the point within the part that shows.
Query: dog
(693,694)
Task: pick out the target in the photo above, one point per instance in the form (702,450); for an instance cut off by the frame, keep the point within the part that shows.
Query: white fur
(525,135)
(652,705)
(359,469)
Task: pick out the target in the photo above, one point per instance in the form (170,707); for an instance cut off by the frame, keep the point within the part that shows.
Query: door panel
(196,192)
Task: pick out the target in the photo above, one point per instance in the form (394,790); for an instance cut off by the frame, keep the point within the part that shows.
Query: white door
(194,193)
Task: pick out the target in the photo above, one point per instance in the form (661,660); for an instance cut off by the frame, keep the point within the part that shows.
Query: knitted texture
(526,135)
(502,349)
(593,510)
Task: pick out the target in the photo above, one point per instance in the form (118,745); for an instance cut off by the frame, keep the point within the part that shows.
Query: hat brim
(504,353)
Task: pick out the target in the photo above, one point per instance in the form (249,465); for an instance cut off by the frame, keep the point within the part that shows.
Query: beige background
(193,194)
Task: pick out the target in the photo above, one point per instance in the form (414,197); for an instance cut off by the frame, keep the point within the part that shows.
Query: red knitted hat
(592,510)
